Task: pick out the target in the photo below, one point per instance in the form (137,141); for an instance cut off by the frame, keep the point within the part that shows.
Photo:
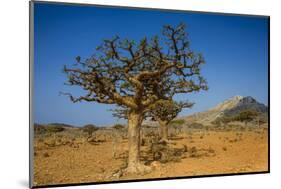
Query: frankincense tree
(136,76)
(164,111)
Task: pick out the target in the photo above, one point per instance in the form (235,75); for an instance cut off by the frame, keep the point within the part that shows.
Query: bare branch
(138,75)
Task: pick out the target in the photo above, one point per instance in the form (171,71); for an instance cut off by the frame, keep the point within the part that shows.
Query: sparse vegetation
(177,122)
(193,152)
(47,129)
(54,129)
(39,129)
(164,153)
(242,116)
(119,127)
(89,129)
(195,125)
(66,146)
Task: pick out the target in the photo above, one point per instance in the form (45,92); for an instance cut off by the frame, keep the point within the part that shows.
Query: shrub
(90,129)
(193,152)
(196,125)
(164,153)
(224,120)
(39,129)
(193,149)
(54,128)
(211,150)
(178,122)
(216,122)
(243,116)
(119,126)
(46,154)
(246,116)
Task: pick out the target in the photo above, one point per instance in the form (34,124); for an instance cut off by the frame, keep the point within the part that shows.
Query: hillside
(228,107)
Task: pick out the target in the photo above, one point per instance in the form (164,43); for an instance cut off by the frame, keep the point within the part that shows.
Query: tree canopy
(136,75)
(167,110)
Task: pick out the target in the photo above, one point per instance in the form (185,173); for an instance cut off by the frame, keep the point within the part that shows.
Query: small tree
(90,129)
(136,76)
(246,116)
(164,112)
(118,127)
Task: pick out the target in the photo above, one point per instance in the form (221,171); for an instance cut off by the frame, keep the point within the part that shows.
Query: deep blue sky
(234,47)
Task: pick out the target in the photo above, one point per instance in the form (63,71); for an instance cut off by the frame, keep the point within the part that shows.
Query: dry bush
(196,125)
(90,129)
(211,150)
(50,142)
(119,127)
(54,129)
(233,140)
(164,153)
(197,153)
(46,154)
(177,122)
(39,129)
(193,152)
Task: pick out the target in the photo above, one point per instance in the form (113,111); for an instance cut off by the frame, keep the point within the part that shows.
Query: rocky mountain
(228,107)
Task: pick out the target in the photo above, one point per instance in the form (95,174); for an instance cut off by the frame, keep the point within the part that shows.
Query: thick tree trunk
(134,123)
(163,130)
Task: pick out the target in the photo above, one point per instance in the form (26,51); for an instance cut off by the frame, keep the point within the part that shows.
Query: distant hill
(51,127)
(55,124)
(61,124)
(228,107)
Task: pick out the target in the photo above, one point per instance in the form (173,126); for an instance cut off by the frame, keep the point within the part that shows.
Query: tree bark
(163,130)
(134,123)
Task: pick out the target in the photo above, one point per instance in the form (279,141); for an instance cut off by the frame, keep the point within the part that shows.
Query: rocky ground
(66,159)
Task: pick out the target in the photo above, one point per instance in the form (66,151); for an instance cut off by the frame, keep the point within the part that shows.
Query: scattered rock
(118,174)
(155,164)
